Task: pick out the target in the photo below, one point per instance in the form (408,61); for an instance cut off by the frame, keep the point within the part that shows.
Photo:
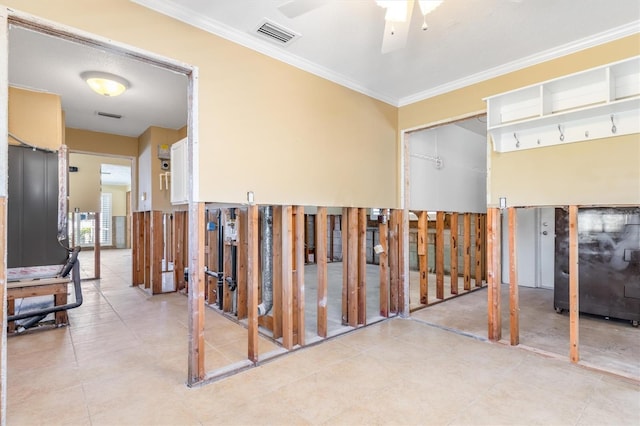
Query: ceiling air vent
(277,33)
(109,115)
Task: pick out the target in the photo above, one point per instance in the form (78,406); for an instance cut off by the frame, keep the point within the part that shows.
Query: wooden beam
(403,288)
(344,235)
(383,264)
(394,279)
(574,300)
(157,248)
(242,265)
(423,256)
(440,255)
(453,227)
(514,307)
(250,246)
(467,251)
(362,266)
(276,312)
(287,279)
(321,260)
(195,363)
(300,261)
(479,243)
(493,274)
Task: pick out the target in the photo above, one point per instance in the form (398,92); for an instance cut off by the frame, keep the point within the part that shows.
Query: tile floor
(123,361)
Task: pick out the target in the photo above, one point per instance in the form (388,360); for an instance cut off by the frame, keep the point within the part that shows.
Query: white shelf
(574,108)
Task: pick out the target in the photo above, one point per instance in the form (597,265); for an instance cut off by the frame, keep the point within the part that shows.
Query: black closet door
(32,218)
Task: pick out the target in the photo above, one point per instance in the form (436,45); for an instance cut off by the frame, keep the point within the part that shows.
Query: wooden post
(287,280)
(157,248)
(383,260)
(300,228)
(362,266)
(181,247)
(574,300)
(453,227)
(479,250)
(440,255)
(403,267)
(493,275)
(137,252)
(344,235)
(249,246)
(514,307)
(394,279)
(196,294)
(423,256)
(467,251)
(321,260)
(242,252)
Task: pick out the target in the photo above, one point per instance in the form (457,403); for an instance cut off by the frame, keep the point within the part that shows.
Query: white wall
(460,184)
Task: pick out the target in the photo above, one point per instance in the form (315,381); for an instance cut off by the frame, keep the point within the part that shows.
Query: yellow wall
(149,168)
(287,135)
(556,175)
(118,198)
(101,143)
(84,185)
(35,117)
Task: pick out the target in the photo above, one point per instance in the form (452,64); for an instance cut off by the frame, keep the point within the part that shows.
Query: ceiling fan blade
(395,36)
(294,8)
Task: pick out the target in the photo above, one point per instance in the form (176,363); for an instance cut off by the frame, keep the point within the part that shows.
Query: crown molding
(181,13)
(556,52)
(177,11)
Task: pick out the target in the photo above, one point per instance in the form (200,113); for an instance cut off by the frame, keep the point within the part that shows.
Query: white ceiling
(467,41)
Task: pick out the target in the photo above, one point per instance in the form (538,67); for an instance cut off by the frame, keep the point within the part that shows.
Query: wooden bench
(42,287)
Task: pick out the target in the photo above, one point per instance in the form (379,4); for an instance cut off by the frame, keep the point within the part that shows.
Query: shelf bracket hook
(614,129)
(561,134)
(517,140)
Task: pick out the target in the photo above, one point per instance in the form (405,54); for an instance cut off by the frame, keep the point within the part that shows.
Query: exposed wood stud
(403,288)
(467,251)
(242,265)
(344,234)
(478,256)
(287,279)
(300,260)
(321,260)
(574,300)
(454,253)
(157,248)
(352,268)
(384,273)
(440,255)
(493,275)
(423,256)
(394,279)
(332,228)
(362,266)
(276,312)
(250,241)
(514,308)
(147,249)
(196,370)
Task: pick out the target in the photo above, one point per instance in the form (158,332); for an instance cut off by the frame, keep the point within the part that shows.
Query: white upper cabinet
(597,103)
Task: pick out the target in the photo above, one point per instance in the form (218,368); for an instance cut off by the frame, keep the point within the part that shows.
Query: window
(105,219)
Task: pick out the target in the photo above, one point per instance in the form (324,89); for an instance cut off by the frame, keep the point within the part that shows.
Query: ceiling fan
(397,17)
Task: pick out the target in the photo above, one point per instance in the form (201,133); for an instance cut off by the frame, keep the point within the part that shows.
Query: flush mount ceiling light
(105,84)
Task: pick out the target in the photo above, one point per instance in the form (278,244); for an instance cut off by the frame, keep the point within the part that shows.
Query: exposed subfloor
(123,361)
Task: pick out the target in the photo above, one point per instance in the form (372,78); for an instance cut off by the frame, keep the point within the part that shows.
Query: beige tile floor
(123,361)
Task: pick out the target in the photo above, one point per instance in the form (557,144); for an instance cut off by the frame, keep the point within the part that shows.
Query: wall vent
(109,115)
(276,33)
